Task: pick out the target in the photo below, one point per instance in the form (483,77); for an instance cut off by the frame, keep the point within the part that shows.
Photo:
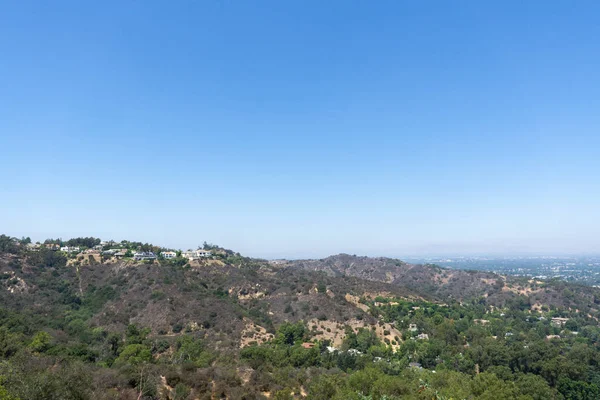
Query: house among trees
(558,322)
(33,246)
(120,253)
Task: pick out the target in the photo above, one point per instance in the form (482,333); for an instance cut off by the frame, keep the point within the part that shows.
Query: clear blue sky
(303,128)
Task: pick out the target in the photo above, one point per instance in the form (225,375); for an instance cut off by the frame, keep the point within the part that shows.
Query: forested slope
(234,327)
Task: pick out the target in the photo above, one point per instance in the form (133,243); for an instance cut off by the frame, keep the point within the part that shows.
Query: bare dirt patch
(336,331)
(355,300)
(254,334)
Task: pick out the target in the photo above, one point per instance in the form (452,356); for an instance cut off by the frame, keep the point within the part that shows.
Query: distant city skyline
(304,129)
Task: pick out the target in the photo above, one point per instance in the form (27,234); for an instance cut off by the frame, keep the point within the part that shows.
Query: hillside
(240,328)
(446,284)
(218,300)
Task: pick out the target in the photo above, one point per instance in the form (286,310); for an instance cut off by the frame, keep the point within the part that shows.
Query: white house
(413,327)
(144,256)
(203,253)
(68,249)
(168,254)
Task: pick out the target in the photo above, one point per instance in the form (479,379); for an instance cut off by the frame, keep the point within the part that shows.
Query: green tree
(4,395)
(321,287)
(289,333)
(134,354)
(40,342)
(181,392)
(257,356)
(8,244)
(136,335)
(9,343)
(362,341)
(577,390)
(488,386)
(535,386)
(192,350)
(324,387)
(283,394)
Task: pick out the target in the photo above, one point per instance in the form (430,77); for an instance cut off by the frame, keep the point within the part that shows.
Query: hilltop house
(168,254)
(413,327)
(203,253)
(196,254)
(144,256)
(33,246)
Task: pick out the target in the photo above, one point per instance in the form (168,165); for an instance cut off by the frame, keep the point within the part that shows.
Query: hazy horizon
(420,253)
(304,129)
